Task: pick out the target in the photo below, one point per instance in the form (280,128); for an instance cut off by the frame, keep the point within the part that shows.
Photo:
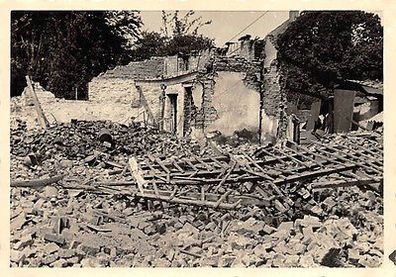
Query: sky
(225,25)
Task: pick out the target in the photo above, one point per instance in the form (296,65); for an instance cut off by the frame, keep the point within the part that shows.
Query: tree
(327,46)
(179,35)
(150,44)
(64,50)
(174,25)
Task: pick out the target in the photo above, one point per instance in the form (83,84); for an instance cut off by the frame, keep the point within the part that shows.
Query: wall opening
(173,113)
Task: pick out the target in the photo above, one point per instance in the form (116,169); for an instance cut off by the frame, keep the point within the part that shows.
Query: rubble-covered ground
(60,225)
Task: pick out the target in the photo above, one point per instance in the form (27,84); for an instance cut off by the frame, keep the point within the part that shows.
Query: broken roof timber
(369,86)
(180,79)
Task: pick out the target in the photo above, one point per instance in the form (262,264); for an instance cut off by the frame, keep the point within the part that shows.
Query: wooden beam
(313,174)
(352,158)
(36,183)
(43,121)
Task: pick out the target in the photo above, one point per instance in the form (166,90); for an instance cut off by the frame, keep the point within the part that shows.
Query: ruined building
(221,90)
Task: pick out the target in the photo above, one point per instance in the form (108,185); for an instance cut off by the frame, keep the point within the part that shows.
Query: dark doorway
(173,113)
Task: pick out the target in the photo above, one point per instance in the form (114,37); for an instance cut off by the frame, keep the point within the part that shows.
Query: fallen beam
(36,183)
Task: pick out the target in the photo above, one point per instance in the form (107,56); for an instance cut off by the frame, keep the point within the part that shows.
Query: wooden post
(163,88)
(260,127)
(41,117)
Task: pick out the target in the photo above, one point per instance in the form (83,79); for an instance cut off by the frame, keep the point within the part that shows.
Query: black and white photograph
(196,138)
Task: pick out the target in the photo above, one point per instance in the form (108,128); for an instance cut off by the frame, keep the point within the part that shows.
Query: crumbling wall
(272,97)
(252,69)
(118,84)
(249,49)
(150,104)
(61,110)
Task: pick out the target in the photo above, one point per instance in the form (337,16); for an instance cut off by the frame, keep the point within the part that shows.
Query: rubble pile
(95,215)
(59,228)
(79,140)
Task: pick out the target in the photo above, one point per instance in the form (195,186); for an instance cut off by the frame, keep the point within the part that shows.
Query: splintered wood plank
(137,174)
(34,183)
(361,155)
(313,174)
(217,162)
(153,170)
(351,160)
(283,162)
(204,164)
(270,180)
(203,193)
(193,202)
(159,162)
(291,157)
(224,179)
(221,199)
(192,165)
(308,157)
(177,166)
(326,159)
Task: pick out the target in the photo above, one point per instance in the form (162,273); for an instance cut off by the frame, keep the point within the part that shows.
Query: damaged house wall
(271,93)
(274,122)
(241,72)
(208,102)
(237,106)
(235,99)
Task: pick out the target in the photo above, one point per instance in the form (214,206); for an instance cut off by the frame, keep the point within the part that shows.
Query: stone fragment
(18,222)
(74,260)
(23,242)
(66,253)
(295,247)
(307,261)
(49,259)
(58,239)
(66,163)
(59,263)
(370,261)
(354,255)
(17,256)
(291,261)
(278,260)
(50,191)
(268,229)
(51,248)
(226,261)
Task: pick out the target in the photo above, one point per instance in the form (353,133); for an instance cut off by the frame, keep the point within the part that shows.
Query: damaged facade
(231,89)
(203,93)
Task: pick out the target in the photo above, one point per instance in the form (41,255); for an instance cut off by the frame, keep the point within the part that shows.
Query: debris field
(98,194)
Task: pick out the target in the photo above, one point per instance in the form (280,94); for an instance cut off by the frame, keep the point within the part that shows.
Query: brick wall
(148,69)
(252,69)
(121,90)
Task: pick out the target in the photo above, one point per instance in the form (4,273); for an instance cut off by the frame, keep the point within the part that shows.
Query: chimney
(293,15)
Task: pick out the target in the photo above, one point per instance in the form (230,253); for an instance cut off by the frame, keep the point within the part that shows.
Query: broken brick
(58,239)
(51,248)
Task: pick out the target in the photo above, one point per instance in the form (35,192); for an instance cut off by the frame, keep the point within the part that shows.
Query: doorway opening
(173,113)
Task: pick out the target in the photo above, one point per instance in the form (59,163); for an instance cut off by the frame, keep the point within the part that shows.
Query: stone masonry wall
(121,90)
